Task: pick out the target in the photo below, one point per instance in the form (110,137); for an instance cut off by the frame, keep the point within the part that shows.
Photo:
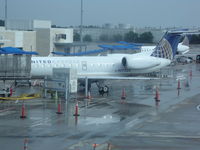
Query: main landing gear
(103,90)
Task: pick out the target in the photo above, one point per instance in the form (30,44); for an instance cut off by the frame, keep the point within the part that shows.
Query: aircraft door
(84,65)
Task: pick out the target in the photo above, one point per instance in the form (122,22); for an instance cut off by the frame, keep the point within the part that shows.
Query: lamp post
(5,14)
(81,27)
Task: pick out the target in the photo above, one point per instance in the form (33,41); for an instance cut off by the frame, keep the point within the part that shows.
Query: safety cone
(123,97)
(59,108)
(94,146)
(23,115)
(11,91)
(123,94)
(76,110)
(157,96)
(179,85)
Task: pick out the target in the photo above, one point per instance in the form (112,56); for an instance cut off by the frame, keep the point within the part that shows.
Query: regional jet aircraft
(112,66)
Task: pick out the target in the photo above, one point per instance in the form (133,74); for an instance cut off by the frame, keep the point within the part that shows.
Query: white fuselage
(110,65)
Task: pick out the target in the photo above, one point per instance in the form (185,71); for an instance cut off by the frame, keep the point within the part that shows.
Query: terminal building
(35,35)
(42,37)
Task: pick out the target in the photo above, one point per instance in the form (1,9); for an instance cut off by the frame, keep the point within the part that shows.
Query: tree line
(130,36)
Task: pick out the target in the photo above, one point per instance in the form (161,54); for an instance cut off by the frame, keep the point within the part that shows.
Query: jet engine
(143,62)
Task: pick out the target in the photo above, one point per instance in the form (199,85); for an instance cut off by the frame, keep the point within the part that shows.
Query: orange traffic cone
(123,97)
(76,110)
(59,108)
(157,96)
(23,112)
(94,146)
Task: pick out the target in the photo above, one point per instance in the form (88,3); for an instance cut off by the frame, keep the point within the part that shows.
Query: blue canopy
(80,53)
(119,47)
(13,50)
(128,46)
(133,44)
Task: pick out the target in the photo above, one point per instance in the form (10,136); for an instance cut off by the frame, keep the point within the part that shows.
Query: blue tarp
(104,48)
(80,53)
(13,50)
(120,47)
(126,43)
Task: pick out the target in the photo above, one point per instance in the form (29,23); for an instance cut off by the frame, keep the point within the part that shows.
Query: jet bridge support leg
(45,85)
(86,86)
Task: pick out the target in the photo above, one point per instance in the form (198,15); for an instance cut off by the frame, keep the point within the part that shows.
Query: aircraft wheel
(101,91)
(105,89)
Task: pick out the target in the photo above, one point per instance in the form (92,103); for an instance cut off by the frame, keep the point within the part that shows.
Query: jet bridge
(15,64)
(15,67)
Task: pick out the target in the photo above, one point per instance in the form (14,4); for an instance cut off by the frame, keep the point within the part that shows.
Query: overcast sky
(139,13)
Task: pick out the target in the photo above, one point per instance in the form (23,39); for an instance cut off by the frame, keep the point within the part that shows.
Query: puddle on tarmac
(106,119)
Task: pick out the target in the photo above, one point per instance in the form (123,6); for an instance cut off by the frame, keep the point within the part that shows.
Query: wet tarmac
(137,122)
(175,129)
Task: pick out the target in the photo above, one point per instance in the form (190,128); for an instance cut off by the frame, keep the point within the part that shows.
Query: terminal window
(61,36)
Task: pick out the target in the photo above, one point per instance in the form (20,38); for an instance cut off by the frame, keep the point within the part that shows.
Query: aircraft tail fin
(167,46)
(163,50)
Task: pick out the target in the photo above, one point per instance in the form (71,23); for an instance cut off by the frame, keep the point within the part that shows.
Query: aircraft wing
(116,78)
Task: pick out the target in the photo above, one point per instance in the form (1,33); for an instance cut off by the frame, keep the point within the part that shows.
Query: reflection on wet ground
(104,117)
